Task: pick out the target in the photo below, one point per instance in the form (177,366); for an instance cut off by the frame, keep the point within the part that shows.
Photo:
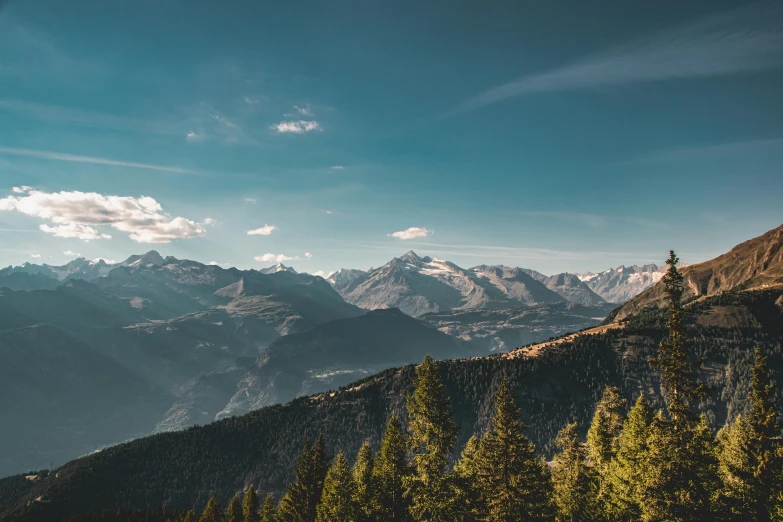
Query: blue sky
(551,135)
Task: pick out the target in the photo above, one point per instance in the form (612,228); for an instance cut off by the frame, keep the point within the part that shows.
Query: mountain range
(419,285)
(186,343)
(737,308)
(618,285)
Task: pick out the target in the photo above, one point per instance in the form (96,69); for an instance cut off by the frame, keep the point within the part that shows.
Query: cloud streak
(266,230)
(59,156)
(296,127)
(746,39)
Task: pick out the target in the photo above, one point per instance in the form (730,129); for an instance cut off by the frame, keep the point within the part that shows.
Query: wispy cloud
(59,156)
(71,253)
(716,150)
(57,114)
(296,127)
(746,39)
(338,167)
(304,111)
(411,233)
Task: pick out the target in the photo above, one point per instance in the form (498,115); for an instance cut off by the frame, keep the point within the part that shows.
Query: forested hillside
(562,385)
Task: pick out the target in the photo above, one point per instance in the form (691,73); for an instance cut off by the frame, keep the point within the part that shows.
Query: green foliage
(250,505)
(622,490)
(365,484)
(432,438)
(514,482)
(211,512)
(575,481)
(301,502)
(268,511)
(391,471)
(234,510)
(338,502)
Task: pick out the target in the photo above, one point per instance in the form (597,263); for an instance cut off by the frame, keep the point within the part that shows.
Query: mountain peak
(410,256)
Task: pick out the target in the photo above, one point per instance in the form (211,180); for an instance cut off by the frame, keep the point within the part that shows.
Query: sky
(559,136)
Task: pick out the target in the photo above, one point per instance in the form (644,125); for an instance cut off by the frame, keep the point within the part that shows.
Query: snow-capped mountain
(344,277)
(280,267)
(568,286)
(418,285)
(618,285)
(80,268)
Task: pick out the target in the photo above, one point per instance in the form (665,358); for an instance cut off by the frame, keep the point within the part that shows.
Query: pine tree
(391,471)
(364,481)
(605,428)
(268,512)
(211,513)
(301,502)
(678,374)
(751,467)
(514,482)
(338,502)
(467,492)
(682,482)
(574,481)
(433,435)
(190,516)
(250,505)
(623,489)
(234,511)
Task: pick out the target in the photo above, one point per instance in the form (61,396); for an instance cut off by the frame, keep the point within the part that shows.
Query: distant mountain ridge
(618,285)
(756,264)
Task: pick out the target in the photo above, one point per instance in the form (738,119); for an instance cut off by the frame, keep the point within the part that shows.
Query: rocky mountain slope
(756,264)
(418,285)
(618,285)
(569,287)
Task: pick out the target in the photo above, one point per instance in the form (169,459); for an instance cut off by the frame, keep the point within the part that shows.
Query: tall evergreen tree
(364,480)
(301,502)
(602,437)
(678,373)
(575,482)
(682,481)
(391,471)
(751,466)
(190,516)
(234,510)
(268,511)
(432,438)
(514,482)
(623,489)
(467,492)
(338,502)
(250,505)
(211,513)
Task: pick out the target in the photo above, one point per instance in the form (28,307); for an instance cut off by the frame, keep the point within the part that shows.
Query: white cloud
(304,111)
(74,231)
(24,189)
(215,263)
(273,258)
(749,38)
(320,273)
(338,167)
(35,255)
(107,261)
(208,221)
(76,214)
(308,255)
(58,156)
(296,127)
(71,253)
(266,230)
(411,233)
(250,101)
(251,200)
(330,212)
(194,136)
